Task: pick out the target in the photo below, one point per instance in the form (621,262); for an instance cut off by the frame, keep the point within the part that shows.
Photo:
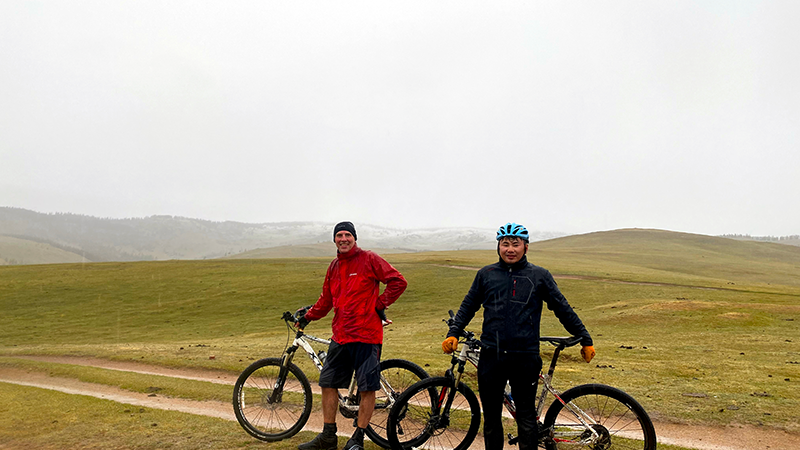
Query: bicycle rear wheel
(397,375)
(419,417)
(272,403)
(620,421)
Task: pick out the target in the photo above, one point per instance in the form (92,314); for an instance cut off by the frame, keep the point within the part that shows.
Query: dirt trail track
(699,437)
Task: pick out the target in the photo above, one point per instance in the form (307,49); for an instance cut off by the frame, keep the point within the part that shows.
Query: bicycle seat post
(552,367)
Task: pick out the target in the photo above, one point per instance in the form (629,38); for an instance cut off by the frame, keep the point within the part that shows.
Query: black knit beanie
(346,226)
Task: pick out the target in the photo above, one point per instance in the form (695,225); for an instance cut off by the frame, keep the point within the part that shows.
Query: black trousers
(521,371)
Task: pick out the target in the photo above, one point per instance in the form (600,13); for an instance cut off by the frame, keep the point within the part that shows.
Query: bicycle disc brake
(603,440)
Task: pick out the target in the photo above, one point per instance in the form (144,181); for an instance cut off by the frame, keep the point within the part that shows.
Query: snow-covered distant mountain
(425,239)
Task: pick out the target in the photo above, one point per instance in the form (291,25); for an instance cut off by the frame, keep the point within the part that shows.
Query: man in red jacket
(352,289)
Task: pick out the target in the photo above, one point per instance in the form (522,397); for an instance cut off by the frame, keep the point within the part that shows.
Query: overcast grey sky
(564,116)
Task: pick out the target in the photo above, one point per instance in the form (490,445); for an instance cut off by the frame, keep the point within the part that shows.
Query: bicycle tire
(416,419)
(618,418)
(397,375)
(266,418)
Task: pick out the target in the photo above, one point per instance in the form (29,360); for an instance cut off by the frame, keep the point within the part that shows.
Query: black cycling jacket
(512,298)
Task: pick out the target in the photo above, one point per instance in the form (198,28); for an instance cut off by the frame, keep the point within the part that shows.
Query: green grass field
(698,329)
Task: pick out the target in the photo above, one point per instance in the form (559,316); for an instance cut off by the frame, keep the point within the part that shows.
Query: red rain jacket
(351,288)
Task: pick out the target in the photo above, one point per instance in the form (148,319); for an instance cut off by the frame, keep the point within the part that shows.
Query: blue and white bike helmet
(512,229)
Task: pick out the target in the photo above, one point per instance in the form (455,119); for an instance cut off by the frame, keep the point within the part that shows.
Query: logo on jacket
(353,274)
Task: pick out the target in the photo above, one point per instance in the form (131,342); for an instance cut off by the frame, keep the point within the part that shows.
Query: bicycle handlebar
(291,319)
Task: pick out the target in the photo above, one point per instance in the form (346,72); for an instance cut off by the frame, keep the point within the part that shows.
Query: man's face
(512,249)
(344,241)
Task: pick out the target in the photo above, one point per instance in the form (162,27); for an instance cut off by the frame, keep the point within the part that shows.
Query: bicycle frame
(301,341)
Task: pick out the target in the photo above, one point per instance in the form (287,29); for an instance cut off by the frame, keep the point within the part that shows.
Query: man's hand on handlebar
(300,317)
(587,351)
(301,323)
(450,344)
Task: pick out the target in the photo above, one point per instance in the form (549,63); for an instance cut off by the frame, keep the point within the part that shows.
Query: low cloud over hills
(72,237)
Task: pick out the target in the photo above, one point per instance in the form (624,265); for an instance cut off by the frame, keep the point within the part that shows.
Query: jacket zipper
(513,284)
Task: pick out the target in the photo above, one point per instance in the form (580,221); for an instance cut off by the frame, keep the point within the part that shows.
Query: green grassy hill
(697,328)
(22,251)
(640,255)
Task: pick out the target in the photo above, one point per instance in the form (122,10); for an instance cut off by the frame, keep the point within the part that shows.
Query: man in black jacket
(512,292)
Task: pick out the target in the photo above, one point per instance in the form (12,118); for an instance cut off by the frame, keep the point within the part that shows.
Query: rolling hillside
(637,254)
(15,251)
(698,329)
(167,237)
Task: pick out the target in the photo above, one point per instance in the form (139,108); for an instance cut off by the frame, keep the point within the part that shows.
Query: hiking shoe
(323,441)
(357,441)
(354,444)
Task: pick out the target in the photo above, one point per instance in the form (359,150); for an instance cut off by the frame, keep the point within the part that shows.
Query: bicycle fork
(448,394)
(277,389)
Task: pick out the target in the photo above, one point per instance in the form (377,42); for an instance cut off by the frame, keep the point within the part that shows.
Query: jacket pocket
(522,289)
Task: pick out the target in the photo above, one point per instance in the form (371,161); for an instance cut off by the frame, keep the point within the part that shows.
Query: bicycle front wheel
(272,402)
(397,375)
(421,418)
(614,419)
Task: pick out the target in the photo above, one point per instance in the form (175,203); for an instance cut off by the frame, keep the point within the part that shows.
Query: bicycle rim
(615,419)
(264,413)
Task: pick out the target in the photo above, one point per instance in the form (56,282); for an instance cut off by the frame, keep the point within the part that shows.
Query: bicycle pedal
(512,440)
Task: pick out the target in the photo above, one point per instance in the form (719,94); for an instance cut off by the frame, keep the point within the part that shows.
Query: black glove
(300,317)
(301,323)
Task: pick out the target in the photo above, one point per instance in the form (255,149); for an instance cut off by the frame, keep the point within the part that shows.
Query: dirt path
(699,437)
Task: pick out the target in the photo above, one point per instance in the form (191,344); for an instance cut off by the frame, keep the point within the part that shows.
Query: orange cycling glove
(450,344)
(587,351)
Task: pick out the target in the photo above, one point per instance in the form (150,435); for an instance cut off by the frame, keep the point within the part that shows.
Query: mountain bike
(272,397)
(444,413)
